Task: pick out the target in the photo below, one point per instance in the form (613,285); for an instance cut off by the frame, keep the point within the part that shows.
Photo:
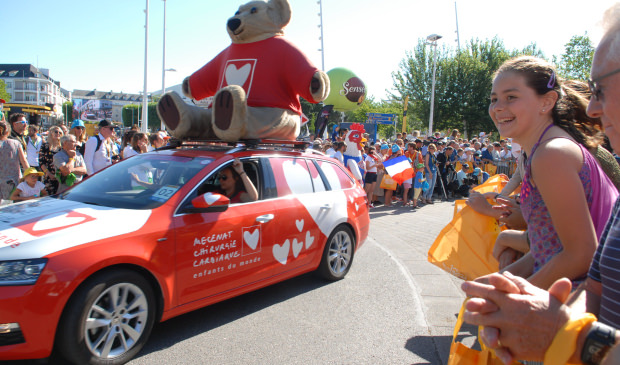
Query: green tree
(132,114)
(67,110)
(3,93)
(576,60)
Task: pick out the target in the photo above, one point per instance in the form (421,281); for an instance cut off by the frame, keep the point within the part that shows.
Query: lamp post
(432,40)
(145,102)
(163,89)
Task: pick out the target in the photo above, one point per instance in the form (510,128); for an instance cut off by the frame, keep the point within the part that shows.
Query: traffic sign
(380,116)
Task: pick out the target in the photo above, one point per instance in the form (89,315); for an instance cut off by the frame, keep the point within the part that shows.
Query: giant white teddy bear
(256,82)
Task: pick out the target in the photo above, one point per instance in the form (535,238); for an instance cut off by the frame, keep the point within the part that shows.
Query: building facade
(93,105)
(34,93)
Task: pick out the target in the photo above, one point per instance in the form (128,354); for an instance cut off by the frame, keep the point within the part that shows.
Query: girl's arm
(16,196)
(555,171)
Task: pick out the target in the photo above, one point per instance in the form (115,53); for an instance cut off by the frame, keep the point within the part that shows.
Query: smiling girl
(566,197)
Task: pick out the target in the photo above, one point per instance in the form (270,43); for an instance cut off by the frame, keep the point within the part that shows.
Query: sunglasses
(222,177)
(595,88)
(57,132)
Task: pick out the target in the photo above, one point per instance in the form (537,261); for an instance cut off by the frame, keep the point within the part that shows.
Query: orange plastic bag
(463,355)
(388,183)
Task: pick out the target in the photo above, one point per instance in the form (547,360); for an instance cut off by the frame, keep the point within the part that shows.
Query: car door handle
(264,218)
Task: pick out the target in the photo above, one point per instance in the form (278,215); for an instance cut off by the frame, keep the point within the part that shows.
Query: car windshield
(144,181)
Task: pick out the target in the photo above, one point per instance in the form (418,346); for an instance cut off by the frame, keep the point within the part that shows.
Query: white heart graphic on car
(309,240)
(280,252)
(297,247)
(236,76)
(300,224)
(57,222)
(251,239)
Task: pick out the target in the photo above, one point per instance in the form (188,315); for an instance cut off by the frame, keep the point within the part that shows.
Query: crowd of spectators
(61,156)
(460,163)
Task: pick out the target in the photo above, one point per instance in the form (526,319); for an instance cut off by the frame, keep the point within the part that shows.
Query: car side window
(335,175)
(211,183)
(291,176)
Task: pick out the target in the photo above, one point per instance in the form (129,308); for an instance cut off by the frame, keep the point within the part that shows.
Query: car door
(222,251)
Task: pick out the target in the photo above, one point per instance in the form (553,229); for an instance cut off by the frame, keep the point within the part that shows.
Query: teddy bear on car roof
(256,82)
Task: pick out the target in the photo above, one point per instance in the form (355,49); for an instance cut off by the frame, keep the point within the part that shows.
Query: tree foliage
(132,114)
(3,93)
(67,110)
(463,83)
(576,60)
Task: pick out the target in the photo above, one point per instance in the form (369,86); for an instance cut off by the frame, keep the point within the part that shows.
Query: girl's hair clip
(551,83)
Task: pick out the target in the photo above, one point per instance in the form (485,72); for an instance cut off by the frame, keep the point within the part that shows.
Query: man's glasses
(23,122)
(595,88)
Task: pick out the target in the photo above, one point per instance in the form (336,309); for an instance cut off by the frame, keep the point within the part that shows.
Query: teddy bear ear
(280,12)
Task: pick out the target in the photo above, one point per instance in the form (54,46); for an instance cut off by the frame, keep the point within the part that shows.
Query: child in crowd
(29,186)
(418,183)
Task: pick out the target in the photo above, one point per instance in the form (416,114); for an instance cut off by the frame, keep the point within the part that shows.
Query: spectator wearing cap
(18,127)
(29,187)
(98,153)
(78,129)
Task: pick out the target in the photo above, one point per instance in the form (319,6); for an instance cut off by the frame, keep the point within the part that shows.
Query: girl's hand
(238,166)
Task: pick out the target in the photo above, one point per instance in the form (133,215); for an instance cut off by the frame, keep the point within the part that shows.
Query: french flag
(399,169)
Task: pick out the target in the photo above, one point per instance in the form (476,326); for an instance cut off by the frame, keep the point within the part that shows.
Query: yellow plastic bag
(464,248)
(388,183)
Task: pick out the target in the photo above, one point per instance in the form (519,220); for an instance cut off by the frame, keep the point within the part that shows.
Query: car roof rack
(237,146)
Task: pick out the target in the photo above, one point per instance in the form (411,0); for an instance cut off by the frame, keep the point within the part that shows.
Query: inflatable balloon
(347,90)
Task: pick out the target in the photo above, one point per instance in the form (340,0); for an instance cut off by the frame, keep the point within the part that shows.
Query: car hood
(38,228)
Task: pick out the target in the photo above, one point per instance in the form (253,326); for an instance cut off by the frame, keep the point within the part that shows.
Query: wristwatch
(599,340)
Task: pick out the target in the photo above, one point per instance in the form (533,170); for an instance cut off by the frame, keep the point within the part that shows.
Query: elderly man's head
(67,142)
(605,82)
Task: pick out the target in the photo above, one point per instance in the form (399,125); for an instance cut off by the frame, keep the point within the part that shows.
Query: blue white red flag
(399,169)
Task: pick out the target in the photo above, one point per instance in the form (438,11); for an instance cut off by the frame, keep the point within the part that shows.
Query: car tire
(95,331)
(337,254)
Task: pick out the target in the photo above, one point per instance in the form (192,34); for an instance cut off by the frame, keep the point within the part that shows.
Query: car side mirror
(210,202)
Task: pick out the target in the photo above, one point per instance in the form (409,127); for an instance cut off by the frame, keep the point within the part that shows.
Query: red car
(90,271)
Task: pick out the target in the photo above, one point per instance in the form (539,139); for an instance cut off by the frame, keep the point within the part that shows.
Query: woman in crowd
(372,162)
(11,155)
(46,159)
(430,171)
(79,131)
(396,151)
(566,198)
(126,143)
(139,144)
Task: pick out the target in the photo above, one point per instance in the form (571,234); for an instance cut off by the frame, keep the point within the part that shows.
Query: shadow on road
(423,345)
(203,320)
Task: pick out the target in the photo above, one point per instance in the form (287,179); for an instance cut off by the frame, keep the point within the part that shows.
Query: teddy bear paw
(168,112)
(229,113)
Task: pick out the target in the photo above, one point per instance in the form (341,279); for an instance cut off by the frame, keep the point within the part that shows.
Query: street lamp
(432,40)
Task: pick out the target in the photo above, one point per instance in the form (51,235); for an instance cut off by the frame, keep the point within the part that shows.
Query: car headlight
(21,272)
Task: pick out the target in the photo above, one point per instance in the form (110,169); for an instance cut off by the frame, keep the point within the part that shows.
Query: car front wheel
(338,254)
(108,320)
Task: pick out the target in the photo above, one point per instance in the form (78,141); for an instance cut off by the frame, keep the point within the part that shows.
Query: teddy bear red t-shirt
(273,73)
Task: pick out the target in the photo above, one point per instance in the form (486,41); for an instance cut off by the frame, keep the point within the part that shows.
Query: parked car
(90,271)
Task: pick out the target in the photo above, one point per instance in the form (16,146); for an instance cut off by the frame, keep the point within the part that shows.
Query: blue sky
(100,44)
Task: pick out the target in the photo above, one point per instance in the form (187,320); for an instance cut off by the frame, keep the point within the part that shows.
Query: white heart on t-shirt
(235,76)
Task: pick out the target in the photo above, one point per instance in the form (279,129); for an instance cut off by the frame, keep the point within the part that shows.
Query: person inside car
(235,184)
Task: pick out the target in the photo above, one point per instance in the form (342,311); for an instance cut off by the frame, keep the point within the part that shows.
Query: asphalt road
(371,317)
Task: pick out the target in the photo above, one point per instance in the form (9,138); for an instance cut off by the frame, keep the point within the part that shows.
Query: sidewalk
(408,234)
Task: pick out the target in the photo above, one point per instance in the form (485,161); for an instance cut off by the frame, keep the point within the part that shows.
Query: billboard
(92,110)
